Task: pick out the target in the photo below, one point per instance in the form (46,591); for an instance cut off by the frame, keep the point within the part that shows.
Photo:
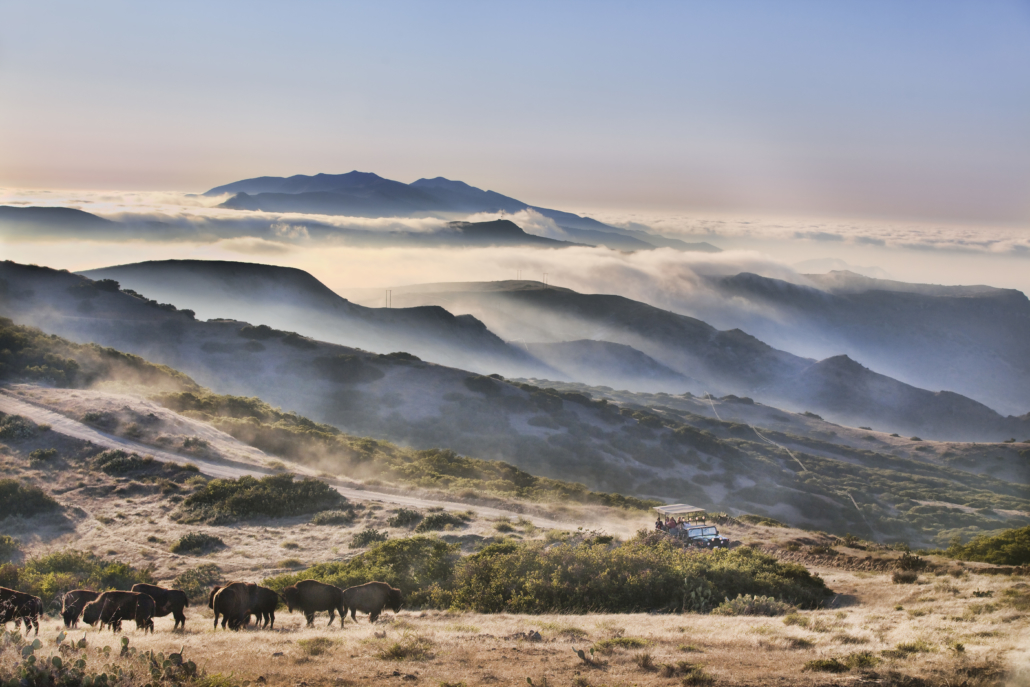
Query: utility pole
(545,279)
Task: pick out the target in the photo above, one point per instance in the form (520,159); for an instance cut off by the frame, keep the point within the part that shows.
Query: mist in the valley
(779,306)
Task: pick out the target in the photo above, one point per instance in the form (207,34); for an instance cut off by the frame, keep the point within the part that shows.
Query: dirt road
(228,469)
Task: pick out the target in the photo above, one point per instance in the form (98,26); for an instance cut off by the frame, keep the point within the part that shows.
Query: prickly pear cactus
(697,596)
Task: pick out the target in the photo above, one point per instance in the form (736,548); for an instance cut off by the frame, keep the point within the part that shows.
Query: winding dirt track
(228,469)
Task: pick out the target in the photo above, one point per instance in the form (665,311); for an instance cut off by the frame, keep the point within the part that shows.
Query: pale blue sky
(907,109)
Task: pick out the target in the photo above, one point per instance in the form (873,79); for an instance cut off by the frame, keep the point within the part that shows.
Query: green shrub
(15,427)
(531,577)
(411,647)
(228,500)
(862,660)
(117,462)
(290,563)
(316,646)
(440,521)
(8,546)
(796,619)
(418,566)
(197,582)
(25,500)
(197,542)
(826,665)
(333,517)
(906,649)
(50,576)
(404,517)
(42,455)
(904,577)
(608,646)
(366,537)
(746,604)
(1011,547)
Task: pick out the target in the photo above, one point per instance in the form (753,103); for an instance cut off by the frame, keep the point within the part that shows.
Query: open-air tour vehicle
(694,532)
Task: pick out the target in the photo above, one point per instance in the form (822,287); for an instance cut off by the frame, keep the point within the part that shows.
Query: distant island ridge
(364,194)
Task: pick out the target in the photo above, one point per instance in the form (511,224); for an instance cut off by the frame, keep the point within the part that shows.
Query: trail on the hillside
(225,469)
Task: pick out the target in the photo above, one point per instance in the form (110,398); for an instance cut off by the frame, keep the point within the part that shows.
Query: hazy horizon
(914,111)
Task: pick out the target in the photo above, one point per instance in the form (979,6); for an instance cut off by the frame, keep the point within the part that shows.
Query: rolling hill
(722,361)
(552,433)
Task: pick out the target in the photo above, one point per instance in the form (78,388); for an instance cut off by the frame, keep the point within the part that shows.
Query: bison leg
(180,619)
(271,619)
(373,616)
(310,618)
(332,616)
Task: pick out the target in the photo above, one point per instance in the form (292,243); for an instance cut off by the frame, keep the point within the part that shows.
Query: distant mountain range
(363,194)
(521,328)
(974,340)
(722,361)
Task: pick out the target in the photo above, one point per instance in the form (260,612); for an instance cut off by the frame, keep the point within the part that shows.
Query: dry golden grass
(442,647)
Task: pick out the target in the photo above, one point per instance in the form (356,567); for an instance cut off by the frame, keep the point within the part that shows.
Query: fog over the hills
(152,226)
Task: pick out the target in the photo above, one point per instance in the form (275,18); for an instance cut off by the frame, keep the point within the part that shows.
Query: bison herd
(235,604)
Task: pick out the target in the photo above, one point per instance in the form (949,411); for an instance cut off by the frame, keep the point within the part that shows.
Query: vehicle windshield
(710,531)
(695,531)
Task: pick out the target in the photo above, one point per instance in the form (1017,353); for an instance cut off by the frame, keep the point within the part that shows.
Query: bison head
(91,612)
(395,599)
(291,595)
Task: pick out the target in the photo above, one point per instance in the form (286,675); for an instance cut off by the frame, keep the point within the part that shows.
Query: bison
(371,598)
(111,608)
(20,607)
(73,603)
(233,602)
(312,596)
(166,601)
(265,602)
(260,602)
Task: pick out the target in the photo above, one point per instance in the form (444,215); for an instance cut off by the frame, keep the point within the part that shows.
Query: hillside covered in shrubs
(1011,547)
(222,501)
(50,576)
(29,355)
(578,575)
(300,439)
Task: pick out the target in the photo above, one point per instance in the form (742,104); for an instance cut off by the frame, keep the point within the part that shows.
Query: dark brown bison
(20,607)
(312,596)
(73,603)
(260,602)
(166,601)
(111,608)
(233,602)
(371,598)
(265,602)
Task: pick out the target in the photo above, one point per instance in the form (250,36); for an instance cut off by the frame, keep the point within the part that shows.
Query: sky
(911,111)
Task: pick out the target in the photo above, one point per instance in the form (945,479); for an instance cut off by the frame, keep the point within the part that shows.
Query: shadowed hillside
(974,340)
(722,361)
(292,299)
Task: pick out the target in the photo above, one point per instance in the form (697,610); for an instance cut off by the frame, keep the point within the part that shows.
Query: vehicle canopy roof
(678,509)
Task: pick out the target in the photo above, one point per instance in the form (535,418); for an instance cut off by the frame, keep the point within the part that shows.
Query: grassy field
(935,632)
